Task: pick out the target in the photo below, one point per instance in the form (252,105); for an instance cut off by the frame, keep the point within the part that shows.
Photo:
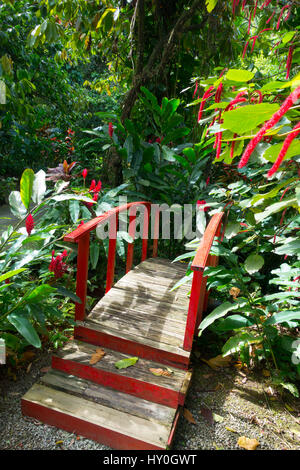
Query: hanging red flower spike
(286,144)
(29,224)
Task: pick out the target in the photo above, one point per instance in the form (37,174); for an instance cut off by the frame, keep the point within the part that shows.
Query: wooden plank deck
(142,309)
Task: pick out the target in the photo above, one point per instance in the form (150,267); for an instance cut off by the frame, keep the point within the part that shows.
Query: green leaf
(74,208)
(234,322)
(237,75)
(284,316)
(235,343)
(94,254)
(67,293)
(39,187)
(247,118)
(11,274)
(272,152)
(26,185)
(25,328)
(16,205)
(68,197)
(218,312)
(254,263)
(210,5)
(291,388)
(124,363)
(232,229)
(273,208)
(40,293)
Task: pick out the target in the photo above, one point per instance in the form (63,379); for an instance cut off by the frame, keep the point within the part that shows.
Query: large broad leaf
(25,328)
(276,207)
(254,263)
(237,75)
(39,186)
(16,205)
(272,152)
(284,316)
(234,322)
(218,312)
(235,343)
(247,118)
(289,248)
(26,185)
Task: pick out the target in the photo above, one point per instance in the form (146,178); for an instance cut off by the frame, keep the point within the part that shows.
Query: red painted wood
(78,426)
(129,385)
(193,310)
(200,260)
(92,224)
(131,232)
(82,274)
(130,347)
(172,433)
(155,229)
(111,252)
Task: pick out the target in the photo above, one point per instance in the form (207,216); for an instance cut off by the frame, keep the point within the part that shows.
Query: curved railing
(81,236)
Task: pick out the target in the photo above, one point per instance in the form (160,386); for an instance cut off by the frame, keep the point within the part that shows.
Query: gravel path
(225,405)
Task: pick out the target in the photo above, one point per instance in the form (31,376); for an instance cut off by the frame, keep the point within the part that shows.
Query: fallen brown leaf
(218,362)
(159,372)
(248,444)
(234,291)
(28,367)
(97,356)
(188,416)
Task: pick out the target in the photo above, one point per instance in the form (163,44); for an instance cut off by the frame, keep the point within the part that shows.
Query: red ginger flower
(284,149)
(57,265)
(84,173)
(294,96)
(92,186)
(29,224)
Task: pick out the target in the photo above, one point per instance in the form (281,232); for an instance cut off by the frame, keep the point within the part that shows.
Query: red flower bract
(57,266)
(201,203)
(84,173)
(274,119)
(284,149)
(29,224)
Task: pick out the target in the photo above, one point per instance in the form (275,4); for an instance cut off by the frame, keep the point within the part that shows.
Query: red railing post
(82,275)
(113,222)
(131,232)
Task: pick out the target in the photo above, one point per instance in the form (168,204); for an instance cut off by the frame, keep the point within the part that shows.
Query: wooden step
(74,358)
(110,417)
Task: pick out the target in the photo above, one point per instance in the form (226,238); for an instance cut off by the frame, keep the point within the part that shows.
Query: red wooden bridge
(128,408)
